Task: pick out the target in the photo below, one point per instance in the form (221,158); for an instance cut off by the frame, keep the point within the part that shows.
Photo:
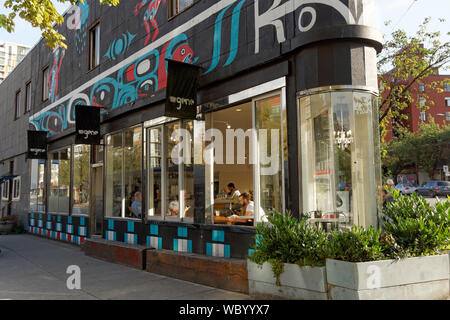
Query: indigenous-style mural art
(141,78)
(58,55)
(149,17)
(76,21)
(215,38)
(234,42)
(119,46)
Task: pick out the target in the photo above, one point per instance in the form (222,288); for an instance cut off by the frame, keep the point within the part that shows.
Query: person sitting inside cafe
(248,208)
(174,208)
(233,193)
(136,207)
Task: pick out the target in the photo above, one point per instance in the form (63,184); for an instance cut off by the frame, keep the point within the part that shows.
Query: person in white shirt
(233,193)
(249,210)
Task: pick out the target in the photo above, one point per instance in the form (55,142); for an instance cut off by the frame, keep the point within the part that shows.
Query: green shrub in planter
(417,226)
(357,245)
(286,239)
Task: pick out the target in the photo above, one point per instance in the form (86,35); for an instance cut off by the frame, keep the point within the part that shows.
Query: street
(35,268)
(434,200)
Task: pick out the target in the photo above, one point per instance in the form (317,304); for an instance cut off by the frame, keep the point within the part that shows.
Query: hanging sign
(37,145)
(181,91)
(87,124)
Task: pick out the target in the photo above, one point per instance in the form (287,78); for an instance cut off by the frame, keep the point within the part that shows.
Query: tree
(424,150)
(40,14)
(404,62)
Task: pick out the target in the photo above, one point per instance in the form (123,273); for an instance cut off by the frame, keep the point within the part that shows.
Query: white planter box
(412,278)
(301,283)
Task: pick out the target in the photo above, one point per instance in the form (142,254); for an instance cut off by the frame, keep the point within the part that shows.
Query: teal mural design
(119,46)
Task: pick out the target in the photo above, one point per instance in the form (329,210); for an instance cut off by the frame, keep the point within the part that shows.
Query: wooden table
(223,220)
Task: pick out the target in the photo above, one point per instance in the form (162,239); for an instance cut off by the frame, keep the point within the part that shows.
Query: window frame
(172,12)
(105,170)
(256,153)
(44,97)
(17,104)
(27,107)
(422,102)
(423,116)
(16,184)
(90,59)
(447,101)
(48,179)
(447,87)
(38,163)
(72,178)
(149,178)
(421,87)
(5,190)
(164,182)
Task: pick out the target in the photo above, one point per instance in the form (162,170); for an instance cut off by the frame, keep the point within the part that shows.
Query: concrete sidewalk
(35,268)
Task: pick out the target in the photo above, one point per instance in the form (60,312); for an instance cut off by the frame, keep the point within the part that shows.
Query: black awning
(6,178)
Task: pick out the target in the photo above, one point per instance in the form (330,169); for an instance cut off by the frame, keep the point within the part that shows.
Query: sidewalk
(35,268)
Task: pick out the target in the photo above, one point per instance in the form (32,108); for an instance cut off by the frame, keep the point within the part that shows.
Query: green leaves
(356,245)
(41,14)
(418,227)
(424,149)
(288,240)
(411,227)
(404,62)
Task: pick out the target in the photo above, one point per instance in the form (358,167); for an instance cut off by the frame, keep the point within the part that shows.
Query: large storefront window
(68,175)
(340,157)
(231,170)
(154,167)
(113,183)
(171,176)
(168,154)
(269,120)
(123,189)
(188,174)
(245,155)
(37,186)
(81,179)
(59,193)
(133,172)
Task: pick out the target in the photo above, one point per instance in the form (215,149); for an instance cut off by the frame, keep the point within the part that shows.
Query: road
(433,201)
(35,268)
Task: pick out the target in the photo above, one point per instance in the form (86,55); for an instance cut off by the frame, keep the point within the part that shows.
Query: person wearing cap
(387,196)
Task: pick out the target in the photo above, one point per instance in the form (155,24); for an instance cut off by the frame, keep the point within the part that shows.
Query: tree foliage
(404,62)
(40,14)
(422,150)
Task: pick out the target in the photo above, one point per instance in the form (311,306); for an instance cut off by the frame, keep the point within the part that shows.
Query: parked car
(405,188)
(434,188)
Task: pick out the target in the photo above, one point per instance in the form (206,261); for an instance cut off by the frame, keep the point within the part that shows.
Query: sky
(397,12)
(394,10)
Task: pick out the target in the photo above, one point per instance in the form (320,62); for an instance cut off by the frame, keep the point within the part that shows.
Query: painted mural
(234,42)
(143,73)
(76,22)
(149,17)
(119,46)
(58,55)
